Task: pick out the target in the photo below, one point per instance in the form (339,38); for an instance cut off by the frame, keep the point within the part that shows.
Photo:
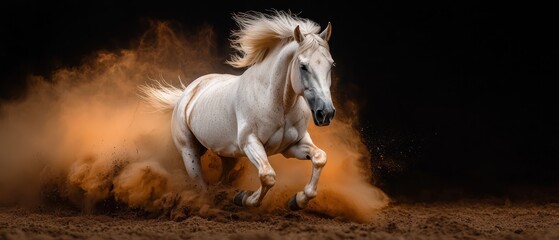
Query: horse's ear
(298,35)
(325,34)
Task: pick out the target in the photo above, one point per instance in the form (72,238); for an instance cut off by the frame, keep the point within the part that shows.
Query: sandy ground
(487,219)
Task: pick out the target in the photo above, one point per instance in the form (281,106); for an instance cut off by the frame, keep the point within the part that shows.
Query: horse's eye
(304,67)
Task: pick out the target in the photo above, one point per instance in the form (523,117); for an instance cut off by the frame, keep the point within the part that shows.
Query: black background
(458,98)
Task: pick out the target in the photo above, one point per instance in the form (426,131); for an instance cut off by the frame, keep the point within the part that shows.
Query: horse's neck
(275,76)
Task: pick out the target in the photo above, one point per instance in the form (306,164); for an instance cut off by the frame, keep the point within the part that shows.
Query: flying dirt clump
(84,135)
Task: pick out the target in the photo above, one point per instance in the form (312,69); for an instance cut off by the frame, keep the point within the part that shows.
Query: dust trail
(83,135)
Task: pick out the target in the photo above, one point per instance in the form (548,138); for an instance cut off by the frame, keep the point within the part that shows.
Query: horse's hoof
(240,198)
(292,204)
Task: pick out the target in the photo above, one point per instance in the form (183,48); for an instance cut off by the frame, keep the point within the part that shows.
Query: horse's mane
(259,32)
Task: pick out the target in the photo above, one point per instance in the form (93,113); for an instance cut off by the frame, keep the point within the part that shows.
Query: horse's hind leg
(228,172)
(191,156)
(305,150)
(191,151)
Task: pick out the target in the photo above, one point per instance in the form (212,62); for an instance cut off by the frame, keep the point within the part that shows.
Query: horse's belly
(216,137)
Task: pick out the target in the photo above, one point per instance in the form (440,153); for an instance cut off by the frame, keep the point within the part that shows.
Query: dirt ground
(487,219)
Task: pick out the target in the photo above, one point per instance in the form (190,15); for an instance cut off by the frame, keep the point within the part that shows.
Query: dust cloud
(83,136)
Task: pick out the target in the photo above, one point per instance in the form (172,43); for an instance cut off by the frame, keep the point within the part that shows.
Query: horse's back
(209,109)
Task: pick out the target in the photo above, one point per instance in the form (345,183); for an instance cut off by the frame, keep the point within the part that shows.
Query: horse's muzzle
(322,108)
(323,116)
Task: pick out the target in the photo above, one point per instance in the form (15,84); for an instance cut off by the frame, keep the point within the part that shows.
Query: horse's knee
(268,179)
(319,158)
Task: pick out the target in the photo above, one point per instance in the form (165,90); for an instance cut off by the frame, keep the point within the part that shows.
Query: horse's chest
(281,139)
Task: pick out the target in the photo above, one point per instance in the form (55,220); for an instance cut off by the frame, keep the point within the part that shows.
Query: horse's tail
(161,96)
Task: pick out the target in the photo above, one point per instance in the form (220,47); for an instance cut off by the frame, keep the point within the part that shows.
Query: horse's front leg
(257,155)
(306,150)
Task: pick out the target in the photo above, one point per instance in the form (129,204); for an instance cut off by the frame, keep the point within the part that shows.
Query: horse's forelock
(312,41)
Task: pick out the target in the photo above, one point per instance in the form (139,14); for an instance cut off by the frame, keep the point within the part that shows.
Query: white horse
(264,111)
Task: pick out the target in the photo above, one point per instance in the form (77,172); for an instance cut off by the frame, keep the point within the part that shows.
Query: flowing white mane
(260,32)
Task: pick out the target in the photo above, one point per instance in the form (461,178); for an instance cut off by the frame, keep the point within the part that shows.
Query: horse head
(311,78)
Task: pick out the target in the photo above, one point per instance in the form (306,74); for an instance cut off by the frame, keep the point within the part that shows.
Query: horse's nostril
(320,114)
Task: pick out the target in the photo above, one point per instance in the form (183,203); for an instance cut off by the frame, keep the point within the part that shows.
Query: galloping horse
(262,112)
